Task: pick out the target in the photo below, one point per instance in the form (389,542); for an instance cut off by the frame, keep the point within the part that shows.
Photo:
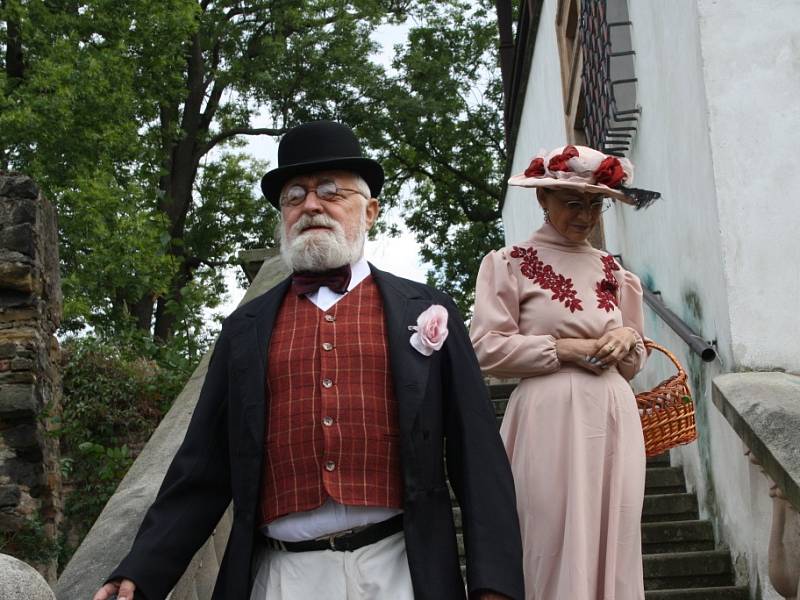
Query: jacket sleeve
(501,349)
(479,471)
(193,496)
(630,304)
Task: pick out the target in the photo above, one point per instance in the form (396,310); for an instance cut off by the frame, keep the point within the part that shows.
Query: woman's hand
(615,345)
(579,351)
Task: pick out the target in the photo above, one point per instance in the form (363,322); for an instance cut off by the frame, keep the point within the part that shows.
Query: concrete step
(664,480)
(708,568)
(677,536)
(709,593)
(669,507)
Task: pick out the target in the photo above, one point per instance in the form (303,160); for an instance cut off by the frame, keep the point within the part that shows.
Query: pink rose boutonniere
(430,332)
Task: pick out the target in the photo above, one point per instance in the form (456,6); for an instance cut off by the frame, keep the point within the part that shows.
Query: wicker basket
(667,411)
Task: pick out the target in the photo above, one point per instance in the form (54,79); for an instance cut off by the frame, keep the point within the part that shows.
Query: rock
(9,496)
(16,211)
(24,436)
(18,238)
(17,399)
(16,276)
(19,186)
(21,364)
(19,581)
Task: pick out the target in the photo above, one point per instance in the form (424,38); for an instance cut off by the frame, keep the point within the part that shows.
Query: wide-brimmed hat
(586,170)
(320,146)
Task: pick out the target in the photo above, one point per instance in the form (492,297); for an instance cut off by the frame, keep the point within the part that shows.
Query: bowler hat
(319,146)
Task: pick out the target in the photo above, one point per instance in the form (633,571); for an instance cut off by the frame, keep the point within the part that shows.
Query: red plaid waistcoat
(332,423)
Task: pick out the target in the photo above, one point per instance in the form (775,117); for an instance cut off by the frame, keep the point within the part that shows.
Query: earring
(546,215)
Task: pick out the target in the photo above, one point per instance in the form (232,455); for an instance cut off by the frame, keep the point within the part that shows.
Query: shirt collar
(359,271)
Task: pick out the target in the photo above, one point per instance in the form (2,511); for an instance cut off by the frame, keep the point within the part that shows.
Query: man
(325,418)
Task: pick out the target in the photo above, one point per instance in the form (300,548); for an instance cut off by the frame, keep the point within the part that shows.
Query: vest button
(327,421)
(330,465)
(327,346)
(327,383)
(330,318)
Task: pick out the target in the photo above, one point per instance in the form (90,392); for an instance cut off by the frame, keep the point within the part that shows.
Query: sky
(398,255)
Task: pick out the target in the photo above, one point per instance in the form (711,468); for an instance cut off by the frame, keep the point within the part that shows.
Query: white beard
(321,250)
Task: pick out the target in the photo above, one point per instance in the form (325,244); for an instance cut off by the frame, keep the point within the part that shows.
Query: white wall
(751,57)
(719,84)
(542,126)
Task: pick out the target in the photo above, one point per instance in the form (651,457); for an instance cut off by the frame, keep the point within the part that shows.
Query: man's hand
(123,589)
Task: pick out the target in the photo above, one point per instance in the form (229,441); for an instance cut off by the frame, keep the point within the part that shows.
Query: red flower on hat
(610,172)
(536,168)
(559,161)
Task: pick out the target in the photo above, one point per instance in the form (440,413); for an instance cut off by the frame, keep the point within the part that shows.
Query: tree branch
(473,181)
(475,215)
(224,135)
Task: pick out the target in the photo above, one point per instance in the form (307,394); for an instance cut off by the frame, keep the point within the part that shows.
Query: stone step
(500,406)
(677,536)
(669,507)
(664,480)
(708,568)
(662,460)
(708,593)
(501,391)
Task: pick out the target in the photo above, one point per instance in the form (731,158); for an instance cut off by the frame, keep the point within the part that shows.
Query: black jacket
(443,410)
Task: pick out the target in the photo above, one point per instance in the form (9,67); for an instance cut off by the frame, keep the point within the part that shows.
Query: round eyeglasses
(600,205)
(328,191)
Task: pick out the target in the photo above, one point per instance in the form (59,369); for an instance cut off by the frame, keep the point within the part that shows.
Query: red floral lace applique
(606,289)
(534,268)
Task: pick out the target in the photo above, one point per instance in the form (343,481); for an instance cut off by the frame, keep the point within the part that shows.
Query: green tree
(440,137)
(132,116)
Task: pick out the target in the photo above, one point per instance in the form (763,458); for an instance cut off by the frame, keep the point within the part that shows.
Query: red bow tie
(308,282)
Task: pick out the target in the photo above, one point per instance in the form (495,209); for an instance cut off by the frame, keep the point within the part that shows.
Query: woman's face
(573,214)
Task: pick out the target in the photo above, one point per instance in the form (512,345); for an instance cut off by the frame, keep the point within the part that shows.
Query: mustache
(306,221)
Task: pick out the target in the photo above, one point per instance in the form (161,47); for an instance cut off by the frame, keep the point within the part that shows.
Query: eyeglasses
(595,206)
(328,191)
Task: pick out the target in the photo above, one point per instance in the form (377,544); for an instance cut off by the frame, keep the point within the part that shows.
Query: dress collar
(547,235)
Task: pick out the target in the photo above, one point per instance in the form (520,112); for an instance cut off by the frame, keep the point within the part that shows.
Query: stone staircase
(681,560)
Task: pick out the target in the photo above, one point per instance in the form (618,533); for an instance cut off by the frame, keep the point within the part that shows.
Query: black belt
(344,541)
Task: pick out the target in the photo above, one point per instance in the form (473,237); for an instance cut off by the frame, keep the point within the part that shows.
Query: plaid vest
(332,427)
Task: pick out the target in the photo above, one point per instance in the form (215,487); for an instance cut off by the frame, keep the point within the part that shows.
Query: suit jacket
(443,409)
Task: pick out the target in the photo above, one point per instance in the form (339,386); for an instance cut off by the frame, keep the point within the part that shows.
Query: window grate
(608,82)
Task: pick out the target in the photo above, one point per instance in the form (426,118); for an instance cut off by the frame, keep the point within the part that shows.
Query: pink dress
(574,438)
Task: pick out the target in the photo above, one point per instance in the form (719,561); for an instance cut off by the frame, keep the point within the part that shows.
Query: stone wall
(30,310)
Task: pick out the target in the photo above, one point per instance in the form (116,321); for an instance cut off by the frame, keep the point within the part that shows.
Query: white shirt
(331,516)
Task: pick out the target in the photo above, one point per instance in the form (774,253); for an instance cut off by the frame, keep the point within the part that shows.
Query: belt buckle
(332,542)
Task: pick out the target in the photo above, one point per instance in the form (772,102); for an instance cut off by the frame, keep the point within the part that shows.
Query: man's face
(319,234)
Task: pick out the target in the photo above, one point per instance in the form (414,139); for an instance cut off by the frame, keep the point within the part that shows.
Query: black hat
(319,146)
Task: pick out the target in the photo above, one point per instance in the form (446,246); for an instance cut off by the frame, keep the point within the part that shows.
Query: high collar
(549,236)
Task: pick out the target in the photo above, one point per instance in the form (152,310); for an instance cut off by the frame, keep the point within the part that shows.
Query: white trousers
(375,572)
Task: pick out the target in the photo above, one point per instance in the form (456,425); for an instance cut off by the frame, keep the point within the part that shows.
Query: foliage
(132,115)
(112,402)
(440,138)
(30,543)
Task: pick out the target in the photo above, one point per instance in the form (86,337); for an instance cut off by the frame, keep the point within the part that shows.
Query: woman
(566,319)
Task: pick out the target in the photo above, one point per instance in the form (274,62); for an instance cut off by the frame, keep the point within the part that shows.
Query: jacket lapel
(251,348)
(402,304)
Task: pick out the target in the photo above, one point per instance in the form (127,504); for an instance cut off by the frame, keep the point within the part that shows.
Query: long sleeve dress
(573,438)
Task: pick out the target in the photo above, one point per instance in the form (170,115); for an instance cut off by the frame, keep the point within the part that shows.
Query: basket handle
(653,346)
